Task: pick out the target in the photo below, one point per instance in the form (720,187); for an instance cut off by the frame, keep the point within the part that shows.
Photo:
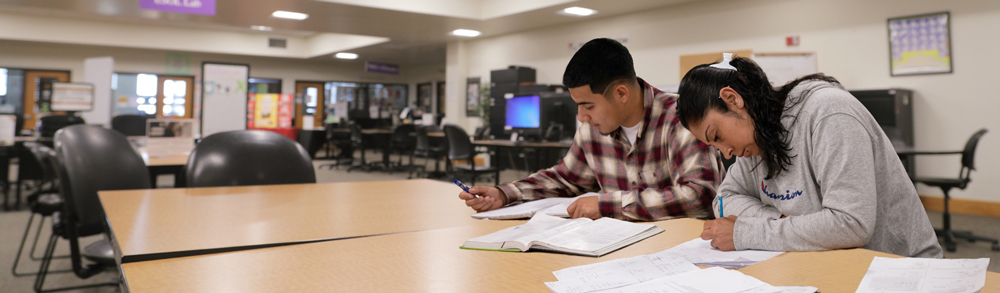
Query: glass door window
(175,99)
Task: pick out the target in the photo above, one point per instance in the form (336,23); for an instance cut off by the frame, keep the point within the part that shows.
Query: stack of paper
(925,275)
(700,252)
(619,273)
(678,277)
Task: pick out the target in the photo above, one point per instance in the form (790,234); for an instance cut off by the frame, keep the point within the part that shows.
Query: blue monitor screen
(524,112)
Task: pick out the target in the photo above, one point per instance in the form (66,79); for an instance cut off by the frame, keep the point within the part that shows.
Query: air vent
(277,43)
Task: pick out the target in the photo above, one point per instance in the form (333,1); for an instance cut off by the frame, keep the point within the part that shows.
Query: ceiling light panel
(465,33)
(290,15)
(345,55)
(578,11)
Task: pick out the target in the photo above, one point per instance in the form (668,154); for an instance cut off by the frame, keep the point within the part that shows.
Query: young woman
(815,171)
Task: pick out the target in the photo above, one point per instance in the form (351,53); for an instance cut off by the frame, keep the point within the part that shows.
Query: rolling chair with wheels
(248,157)
(946,184)
(45,202)
(404,142)
(89,159)
(428,149)
(460,148)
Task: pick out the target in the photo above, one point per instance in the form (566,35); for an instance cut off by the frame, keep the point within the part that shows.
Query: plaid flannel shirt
(667,173)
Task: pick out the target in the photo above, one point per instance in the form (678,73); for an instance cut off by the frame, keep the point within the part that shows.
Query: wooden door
(313,99)
(174,96)
(31,81)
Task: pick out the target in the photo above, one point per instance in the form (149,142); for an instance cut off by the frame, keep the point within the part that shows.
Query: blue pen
(466,188)
(720,208)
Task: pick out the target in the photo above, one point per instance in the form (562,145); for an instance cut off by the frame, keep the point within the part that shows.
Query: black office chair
(343,141)
(44,202)
(248,157)
(358,143)
(428,149)
(89,159)
(460,148)
(130,124)
(312,141)
(404,142)
(946,184)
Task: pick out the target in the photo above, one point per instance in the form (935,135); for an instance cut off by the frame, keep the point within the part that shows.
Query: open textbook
(581,236)
(555,206)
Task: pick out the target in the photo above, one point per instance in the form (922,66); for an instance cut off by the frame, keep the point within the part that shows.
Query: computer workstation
(539,124)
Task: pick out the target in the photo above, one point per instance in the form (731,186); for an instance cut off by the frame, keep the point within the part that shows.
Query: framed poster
(223,97)
(472,97)
(920,44)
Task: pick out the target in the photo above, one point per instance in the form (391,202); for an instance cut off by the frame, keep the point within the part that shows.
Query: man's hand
(720,231)
(585,207)
(490,198)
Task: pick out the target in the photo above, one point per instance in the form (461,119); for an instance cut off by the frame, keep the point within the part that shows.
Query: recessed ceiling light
(577,11)
(290,15)
(344,55)
(465,33)
(261,28)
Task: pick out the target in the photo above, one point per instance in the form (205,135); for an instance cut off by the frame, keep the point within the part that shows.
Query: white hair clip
(726,58)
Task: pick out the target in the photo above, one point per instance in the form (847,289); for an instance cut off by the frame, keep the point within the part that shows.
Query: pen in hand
(466,188)
(720,208)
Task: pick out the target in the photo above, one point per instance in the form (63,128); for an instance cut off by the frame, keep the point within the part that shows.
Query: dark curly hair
(699,92)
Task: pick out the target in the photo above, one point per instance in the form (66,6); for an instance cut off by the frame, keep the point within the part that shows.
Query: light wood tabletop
(179,159)
(430,261)
(830,271)
(157,223)
(425,261)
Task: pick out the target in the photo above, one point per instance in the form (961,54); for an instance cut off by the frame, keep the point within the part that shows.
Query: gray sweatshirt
(845,186)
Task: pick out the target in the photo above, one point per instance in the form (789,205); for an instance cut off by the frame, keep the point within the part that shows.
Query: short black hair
(598,63)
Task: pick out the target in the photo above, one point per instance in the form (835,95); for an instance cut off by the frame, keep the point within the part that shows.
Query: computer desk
(431,261)
(162,223)
(540,147)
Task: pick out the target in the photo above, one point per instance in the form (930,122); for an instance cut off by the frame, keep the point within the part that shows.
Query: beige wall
(849,38)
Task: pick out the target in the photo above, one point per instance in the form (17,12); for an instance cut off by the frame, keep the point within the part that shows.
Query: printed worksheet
(700,252)
(618,273)
(925,275)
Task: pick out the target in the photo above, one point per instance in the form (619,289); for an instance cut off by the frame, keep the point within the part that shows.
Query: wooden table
(425,261)
(170,163)
(430,261)
(161,223)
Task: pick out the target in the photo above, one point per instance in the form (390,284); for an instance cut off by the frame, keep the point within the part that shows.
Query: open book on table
(555,206)
(581,236)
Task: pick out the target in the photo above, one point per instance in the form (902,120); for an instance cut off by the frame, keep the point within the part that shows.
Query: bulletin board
(690,61)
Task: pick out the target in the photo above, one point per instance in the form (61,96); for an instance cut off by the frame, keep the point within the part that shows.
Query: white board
(223,97)
(784,67)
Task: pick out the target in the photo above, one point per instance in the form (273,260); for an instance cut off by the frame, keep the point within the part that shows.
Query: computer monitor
(523,115)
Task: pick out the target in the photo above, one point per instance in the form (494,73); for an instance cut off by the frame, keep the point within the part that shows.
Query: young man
(631,149)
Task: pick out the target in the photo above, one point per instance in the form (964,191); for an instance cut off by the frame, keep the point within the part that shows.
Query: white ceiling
(417,29)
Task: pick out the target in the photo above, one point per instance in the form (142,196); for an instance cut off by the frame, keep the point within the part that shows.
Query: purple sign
(206,7)
(381,67)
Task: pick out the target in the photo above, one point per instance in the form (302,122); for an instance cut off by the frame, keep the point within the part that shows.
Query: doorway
(313,97)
